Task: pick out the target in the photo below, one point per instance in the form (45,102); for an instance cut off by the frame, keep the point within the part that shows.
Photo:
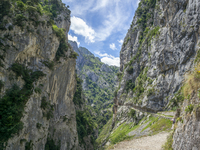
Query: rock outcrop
(30,50)
(158,50)
(187,133)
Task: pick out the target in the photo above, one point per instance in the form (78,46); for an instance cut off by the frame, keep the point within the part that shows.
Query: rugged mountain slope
(90,66)
(99,83)
(187,129)
(159,48)
(37,76)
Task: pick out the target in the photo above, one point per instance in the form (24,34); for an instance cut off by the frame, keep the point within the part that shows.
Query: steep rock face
(187,133)
(34,47)
(158,49)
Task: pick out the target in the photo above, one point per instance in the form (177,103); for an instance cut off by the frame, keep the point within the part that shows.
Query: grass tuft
(168,144)
(192,83)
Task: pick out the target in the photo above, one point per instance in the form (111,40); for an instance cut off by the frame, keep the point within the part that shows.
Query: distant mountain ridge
(99,82)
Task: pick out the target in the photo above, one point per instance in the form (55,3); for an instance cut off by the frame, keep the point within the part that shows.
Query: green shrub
(189,108)
(153,33)
(115,93)
(11,110)
(63,47)
(119,75)
(19,20)
(74,55)
(49,64)
(50,145)
(38,125)
(33,14)
(143,12)
(49,113)
(130,70)
(132,113)
(21,5)
(129,85)
(150,92)
(29,146)
(197,57)
(60,32)
(44,103)
(39,9)
(22,140)
(13,102)
(139,83)
(150,81)
(178,98)
(27,75)
(65,118)
(4,8)
(38,90)
(78,100)
(85,124)
(168,144)
(47,107)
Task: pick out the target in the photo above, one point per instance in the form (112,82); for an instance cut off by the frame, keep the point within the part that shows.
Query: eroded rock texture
(35,47)
(155,56)
(187,133)
(158,50)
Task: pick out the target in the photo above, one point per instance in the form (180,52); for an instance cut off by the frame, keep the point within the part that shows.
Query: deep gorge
(56,95)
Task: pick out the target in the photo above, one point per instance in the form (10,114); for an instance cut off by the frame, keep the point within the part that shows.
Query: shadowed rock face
(58,86)
(167,55)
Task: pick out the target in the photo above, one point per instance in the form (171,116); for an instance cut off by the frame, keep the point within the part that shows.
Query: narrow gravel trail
(154,142)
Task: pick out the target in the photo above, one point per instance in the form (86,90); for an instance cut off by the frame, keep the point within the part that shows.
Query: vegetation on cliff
(23,12)
(85,123)
(13,102)
(98,84)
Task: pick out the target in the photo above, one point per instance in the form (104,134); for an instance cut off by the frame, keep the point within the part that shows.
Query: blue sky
(101,25)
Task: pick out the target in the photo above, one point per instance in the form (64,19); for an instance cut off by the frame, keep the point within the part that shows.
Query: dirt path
(154,142)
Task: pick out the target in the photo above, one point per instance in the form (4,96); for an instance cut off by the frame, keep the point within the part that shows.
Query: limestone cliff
(158,50)
(38,70)
(186,135)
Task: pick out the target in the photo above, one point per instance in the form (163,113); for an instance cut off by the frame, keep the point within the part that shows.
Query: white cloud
(102,55)
(113,47)
(81,28)
(112,16)
(79,7)
(73,38)
(120,42)
(100,4)
(116,15)
(109,59)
